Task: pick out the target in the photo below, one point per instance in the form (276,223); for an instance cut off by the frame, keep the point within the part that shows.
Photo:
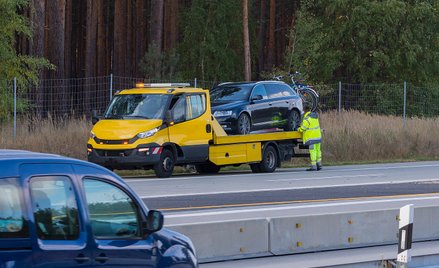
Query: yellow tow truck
(159,126)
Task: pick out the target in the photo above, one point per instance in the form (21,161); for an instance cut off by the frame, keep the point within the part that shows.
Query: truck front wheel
(269,160)
(165,167)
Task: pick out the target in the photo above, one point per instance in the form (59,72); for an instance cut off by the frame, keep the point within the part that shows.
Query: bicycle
(306,92)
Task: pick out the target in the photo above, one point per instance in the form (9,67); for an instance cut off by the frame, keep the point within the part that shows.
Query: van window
(112,213)
(55,208)
(12,223)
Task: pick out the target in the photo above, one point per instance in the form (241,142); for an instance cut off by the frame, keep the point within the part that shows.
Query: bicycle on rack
(306,92)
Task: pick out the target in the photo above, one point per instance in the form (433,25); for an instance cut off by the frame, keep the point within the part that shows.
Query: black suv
(247,106)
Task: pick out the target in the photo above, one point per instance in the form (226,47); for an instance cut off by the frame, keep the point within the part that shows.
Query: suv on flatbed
(247,106)
(61,212)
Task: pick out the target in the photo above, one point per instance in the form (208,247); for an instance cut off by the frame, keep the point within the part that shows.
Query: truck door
(59,233)
(191,130)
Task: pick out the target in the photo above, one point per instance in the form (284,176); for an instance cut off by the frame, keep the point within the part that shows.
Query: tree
(24,67)
(368,41)
(211,48)
(246,41)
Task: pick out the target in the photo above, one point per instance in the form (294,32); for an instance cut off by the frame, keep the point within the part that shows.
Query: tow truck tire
(207,168)
(269,160)
(165,167)
(255,168)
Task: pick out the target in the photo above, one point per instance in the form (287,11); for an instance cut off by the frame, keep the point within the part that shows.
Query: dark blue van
(62,212)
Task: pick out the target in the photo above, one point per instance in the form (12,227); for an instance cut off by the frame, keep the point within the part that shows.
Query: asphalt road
(287,186)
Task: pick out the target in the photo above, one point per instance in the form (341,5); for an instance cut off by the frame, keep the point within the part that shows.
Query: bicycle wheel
(309,96)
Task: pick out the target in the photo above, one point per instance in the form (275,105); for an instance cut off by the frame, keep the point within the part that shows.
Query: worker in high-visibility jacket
(312,136)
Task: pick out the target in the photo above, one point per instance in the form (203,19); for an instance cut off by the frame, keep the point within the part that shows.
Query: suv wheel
(244,124)
(293,121)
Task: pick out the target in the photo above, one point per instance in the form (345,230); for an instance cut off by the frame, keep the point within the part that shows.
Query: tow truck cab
(159,126)
(153,126)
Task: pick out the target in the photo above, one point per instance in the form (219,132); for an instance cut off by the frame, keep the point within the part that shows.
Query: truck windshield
(143,106)
(229,93)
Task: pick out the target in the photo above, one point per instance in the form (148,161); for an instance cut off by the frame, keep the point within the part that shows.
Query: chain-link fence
(80,96)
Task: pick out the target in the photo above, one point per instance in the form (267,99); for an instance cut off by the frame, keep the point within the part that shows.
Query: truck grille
(114,153)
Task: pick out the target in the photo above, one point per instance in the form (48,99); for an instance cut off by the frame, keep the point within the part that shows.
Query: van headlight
(222,113)
(148,133)
(92,135)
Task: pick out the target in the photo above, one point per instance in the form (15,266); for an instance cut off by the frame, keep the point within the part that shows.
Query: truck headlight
(222,113)
(147,133)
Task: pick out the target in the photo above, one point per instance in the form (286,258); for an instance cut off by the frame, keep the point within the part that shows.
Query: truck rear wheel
(207,168)
(165,167)
(269,160)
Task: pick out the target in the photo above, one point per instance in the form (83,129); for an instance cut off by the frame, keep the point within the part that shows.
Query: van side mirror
(94,117)
(256,98)
(154,221)
(169,118)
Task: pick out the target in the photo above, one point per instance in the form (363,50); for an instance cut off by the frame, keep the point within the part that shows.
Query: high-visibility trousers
(315,154)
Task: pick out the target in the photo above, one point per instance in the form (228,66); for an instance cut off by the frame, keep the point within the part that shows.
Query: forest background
(355,42)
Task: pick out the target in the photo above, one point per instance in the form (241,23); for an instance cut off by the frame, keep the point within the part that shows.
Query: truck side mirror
(94,117)
(169,118)
(154,221)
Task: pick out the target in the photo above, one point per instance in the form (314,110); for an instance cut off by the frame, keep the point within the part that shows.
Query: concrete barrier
(227,240)
(327,232)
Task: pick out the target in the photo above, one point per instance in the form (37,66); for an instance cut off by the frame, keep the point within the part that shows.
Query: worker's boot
(312,168)
(319,166)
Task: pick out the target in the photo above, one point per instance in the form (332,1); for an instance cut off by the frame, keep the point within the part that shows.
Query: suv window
(259,90)
(55,208)
(113,214)
(274,91)
(12,223)
(287,90)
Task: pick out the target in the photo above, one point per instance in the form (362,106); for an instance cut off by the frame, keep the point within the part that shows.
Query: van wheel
(255,168)
(165,167)
(207,168)
(269,160)
(293,121)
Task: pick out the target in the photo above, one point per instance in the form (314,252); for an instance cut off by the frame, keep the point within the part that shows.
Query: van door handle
(270,104)
(102,258)
(82,258)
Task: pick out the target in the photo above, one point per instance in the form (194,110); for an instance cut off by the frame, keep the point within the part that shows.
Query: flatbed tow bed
(129,142)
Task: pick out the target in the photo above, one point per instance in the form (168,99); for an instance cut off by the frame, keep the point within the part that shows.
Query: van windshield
(12,224)
(142,106)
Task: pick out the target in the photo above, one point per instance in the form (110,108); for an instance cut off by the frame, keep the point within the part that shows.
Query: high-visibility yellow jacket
(311,129)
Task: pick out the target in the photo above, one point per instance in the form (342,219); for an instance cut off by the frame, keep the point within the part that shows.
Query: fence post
(339,96)
(195,82)
(111,87)
(405,102)
(15,108)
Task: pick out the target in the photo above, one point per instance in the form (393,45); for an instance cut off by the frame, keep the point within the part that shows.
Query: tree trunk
(101,53)
(271,36)
(120,15)
(37,49)
(157,23)
(261,35)
(246,41)
(170,25)
(90,52)
(157,33)
(140,36)
(56,53)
